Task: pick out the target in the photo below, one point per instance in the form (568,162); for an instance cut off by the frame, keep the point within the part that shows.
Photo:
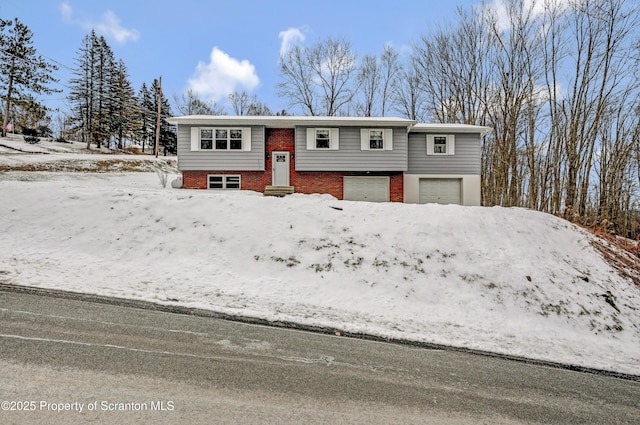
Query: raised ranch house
(360,159)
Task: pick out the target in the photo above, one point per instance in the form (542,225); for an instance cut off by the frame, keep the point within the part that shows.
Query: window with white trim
(376,139)
(221,139)
(224,181)
(206,139)
(323,138)
(228,139)
(440,144)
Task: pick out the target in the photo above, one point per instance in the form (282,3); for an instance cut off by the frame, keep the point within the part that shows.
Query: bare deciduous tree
(409,99)
(321,79)
(240,102)
(297,80)
(243,104)
(369,81)
(600,33)
(557,82)
(189,104)
(334,67)
(455,66)
(389,70)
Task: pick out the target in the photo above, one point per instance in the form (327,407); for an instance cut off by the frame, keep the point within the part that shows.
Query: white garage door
(440,191)
(373,189)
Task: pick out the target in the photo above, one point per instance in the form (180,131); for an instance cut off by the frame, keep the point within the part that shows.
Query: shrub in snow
(30,135)
(163,176)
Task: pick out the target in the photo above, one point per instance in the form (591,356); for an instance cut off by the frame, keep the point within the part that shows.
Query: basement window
(226,181)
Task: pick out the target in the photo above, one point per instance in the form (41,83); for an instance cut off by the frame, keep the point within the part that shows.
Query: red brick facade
(330,182)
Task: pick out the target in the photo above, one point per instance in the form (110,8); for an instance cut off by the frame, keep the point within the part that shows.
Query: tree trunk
(7,103)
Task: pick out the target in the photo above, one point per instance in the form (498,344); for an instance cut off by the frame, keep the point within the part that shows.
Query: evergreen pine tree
(123,103)
(22,71)
(168,138)
(146,117)
(83,88)
(104,69)
(101,95)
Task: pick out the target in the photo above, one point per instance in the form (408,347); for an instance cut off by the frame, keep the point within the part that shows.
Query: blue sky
(217,46)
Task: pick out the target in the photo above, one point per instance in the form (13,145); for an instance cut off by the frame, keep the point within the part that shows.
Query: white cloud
(502,16)
(222,76)
(499,8)
(290,37)
(403,51)
(109,26)
(66,11)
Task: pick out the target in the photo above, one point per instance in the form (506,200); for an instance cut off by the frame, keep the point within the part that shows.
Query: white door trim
(279,168)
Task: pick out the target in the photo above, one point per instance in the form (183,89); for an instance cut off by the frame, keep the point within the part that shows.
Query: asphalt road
(67,361)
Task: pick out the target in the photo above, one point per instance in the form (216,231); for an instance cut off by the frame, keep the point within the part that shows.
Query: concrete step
(278,190)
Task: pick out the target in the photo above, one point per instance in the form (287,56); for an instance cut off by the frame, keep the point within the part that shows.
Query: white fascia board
(449,128)
(289,121)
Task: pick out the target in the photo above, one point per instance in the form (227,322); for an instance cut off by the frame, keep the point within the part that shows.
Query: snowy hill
(510,281)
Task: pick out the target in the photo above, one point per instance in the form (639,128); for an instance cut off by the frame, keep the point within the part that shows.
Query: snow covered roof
(290,121)
(293,121)
(456,128)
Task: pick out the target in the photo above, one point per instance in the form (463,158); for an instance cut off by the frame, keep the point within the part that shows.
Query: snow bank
(510,281)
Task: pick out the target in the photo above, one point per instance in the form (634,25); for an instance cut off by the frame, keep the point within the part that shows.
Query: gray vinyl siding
(466,159)
(189,160)
(349,156)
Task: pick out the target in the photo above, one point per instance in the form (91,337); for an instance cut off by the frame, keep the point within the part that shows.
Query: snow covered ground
(510,281)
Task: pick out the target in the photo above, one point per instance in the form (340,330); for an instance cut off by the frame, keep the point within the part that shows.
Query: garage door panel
(372,189)
(440,191)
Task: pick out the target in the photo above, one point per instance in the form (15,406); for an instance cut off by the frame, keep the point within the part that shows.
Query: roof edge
(289,121)
(293,121)
(443,127)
